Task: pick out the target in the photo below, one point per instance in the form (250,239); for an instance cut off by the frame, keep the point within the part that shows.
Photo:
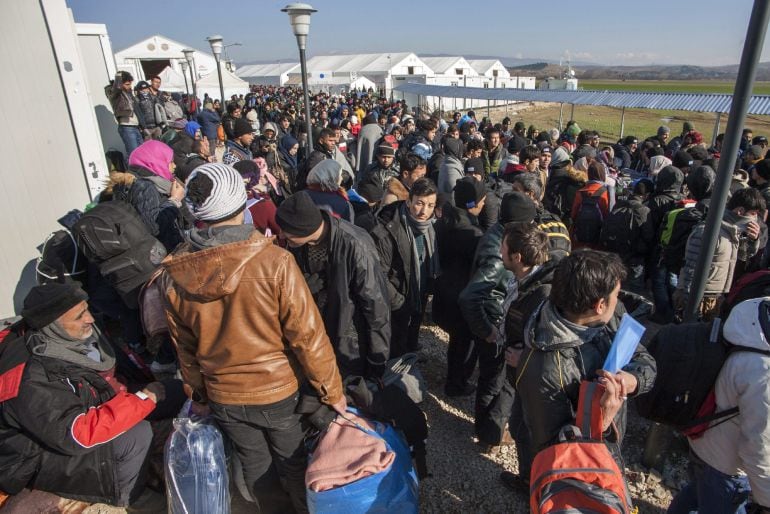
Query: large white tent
(230,83)
(151,55)
(271,74)
(172,81)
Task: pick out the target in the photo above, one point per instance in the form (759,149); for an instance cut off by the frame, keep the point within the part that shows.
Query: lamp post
(299,17)
(184,74)
(216,49)
(188,55)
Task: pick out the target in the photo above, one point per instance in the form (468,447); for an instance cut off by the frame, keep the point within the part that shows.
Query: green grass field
(670,86)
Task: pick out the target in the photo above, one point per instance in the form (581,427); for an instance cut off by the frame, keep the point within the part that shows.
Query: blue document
(626,339)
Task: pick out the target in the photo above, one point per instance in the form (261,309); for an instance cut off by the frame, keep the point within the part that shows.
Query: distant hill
(543,70)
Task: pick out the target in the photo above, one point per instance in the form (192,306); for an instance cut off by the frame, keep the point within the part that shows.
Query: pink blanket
(345,454)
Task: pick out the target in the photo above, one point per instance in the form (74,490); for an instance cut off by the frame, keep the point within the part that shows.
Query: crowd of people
(292,271)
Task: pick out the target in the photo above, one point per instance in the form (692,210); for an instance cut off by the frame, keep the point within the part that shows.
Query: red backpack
(578,474)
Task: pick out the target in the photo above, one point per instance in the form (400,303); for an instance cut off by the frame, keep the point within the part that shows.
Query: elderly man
(67,425)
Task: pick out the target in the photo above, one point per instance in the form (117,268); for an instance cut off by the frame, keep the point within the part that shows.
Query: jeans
(461,359)
(711,491)
(131,136)
(663,287)
(494,394)
(266,434)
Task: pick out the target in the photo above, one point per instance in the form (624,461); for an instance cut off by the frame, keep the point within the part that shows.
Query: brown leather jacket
(246,328)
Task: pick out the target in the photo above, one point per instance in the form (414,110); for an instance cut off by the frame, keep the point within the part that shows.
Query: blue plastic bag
(197,480)
(393,491)
(624,344)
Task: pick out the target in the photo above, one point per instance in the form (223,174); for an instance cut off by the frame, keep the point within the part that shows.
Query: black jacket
(318,154)
(533,291)
(38,447)
(668,186)
(356,312)
(638,239)
(673,251)
(395,250)
(482,299)
(457,236)
(496,190)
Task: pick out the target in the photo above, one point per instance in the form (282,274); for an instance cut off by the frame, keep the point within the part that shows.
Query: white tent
(172,81)
(274,74)
(231,84)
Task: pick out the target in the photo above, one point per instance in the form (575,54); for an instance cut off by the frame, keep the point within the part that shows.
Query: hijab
(284,145)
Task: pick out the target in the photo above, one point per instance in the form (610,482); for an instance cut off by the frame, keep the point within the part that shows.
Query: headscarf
(154,156)
(657,163)
(327,175)
(284,145)
(191,128)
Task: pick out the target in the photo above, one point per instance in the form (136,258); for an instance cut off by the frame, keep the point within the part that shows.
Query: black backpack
(589,219)
(60,259)
(689,358)
(114,237)
(619,229)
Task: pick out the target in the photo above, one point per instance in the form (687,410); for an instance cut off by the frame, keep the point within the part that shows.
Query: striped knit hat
(227,196)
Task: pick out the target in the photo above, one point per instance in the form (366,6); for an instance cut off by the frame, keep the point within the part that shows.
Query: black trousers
(405,330)
(462,355)
(130,452)
(519,430)
(265,434)
(494,394)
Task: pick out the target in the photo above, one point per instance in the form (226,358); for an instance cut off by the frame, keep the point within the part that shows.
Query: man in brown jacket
(248,333)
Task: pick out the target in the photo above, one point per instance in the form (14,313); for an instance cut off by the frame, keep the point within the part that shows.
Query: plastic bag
(196,470)
(394,491)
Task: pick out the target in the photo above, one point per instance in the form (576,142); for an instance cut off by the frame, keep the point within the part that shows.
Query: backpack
(578,473)
(589,219)
(619,229)
(689,358)
(114,237)
(60,259)
(750,285)
(676,228)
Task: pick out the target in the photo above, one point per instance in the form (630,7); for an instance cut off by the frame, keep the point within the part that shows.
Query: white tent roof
(265,70)
(358,63)
(442,65)
(229,80)
(156,47)
(171,80)
(482,66)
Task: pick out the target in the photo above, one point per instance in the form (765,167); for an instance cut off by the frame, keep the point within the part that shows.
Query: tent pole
(716,129)
(622,121)
(561,116)
(440,107)
(755,36)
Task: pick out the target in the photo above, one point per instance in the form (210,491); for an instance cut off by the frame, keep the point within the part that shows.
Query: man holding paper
(568,339)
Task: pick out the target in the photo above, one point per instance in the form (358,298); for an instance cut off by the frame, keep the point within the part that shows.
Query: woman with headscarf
(150,187)
(260,208)
(657,163)
(452,168)
(324,185)
(288,147)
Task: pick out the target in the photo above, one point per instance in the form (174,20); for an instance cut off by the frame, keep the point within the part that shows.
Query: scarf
(94,352)
(284,145)
(423,228)
(200,239)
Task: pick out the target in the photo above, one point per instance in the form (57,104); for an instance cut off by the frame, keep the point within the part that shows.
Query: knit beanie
(251,115)
(45,303)
(370,192)
(474,166)
(242,127)
(298,215)
(559,157)
(225,197)
(468,192)
(517,206)
(663,130)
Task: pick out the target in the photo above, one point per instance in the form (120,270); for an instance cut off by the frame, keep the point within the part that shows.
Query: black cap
(630,140)
(44,304)
(468,192)
(141,85)
(474,166)
(298,215)
(517,206)
(682,159)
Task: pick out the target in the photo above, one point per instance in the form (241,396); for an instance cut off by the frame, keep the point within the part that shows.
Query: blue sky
(703,32)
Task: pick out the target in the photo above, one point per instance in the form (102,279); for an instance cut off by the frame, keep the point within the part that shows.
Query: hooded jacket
(245,325)
(367,141)
(668,187)
(557,356)
(356,313)
(563,183)
(533,290)
(451,169)
(739,445)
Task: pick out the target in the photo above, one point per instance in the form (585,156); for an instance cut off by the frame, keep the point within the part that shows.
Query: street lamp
(184,66)
(299,17)
(188,55)
(216,49)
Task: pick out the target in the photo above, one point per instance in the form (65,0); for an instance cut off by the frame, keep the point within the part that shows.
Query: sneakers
(163,369)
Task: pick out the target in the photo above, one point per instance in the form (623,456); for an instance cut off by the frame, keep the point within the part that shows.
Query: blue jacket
(209,121)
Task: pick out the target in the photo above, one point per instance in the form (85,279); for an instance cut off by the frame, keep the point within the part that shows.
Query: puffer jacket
(245,325)
(739,445)
(555,360)
(356,313)
(450,172)
(152,112)
(720,276)
(482,299)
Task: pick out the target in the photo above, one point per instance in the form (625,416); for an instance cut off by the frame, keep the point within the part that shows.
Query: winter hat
(754,153)
(517,206)
(179,124)
(298,215)
(559,157)
(141,85)
(45,303)
(700,182)
(423,150)
(749,324)
(468,192)
(682,159)
(698,153)
(385,149)
(763,169)
(687,127)
(225,198)
(630,140)
(663,130)
(370,192)
(474,166)
(251,115)
(544,147)
(154,156)
(759,140)
(657,163)
(242,127)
